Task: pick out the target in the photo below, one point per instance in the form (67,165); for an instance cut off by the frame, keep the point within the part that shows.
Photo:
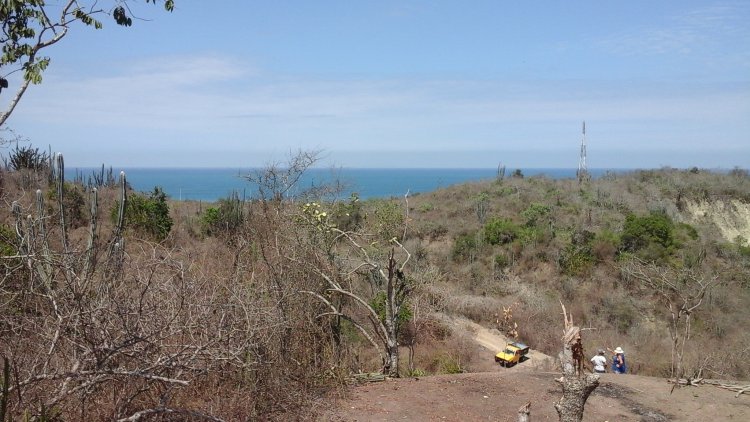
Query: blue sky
(402,84)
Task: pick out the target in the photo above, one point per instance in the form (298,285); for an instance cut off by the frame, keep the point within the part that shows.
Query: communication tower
(583,174)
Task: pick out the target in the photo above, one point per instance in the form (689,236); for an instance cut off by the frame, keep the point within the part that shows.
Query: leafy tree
(147,214)
(500,231)
(576,260)
(402,318)
(640,232)
(534,212)
(225,218)
(30,26)
(388,218)
(465,247)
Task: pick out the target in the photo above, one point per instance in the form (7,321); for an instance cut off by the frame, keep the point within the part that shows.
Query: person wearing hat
(600,362)
(618,361)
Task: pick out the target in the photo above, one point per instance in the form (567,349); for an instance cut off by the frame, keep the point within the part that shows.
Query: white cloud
(208,106)
(703,29)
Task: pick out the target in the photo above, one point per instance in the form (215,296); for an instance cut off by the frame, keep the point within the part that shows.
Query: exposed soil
(732,217)
(498,393)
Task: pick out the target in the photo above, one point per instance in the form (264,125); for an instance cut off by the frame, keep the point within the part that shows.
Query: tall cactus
(66,258)
(60,199)
(90,248)
(33,242)
(44,263)
(117,244)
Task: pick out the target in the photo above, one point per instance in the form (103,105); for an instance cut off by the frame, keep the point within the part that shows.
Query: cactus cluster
(33,234)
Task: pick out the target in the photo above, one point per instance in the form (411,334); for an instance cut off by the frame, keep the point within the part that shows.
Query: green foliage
(7,240)
(449,364)
(499,231)
(210,219)
(743,246)
(686,231)
(481,206)
(415,373)
(73,201)
(464,247)
(404,314)
(316,216)
(388,218)
(534,213)
(576,260)
(501,261)
(604,246)
(650,236)
(426,207)
(348,216)
(147,214)
(227,217)
(530,235)
(517,174)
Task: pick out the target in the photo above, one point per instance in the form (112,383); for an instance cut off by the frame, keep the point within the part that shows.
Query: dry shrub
(432,328)
(603,250)
(476,308)
(450,355)
(539,327)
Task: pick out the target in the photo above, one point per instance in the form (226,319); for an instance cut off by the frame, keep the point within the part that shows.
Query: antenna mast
(583,174)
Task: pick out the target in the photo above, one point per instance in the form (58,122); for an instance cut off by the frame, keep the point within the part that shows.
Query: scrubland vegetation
(128,306)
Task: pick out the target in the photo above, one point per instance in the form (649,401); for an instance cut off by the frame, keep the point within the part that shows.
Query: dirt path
(496,396)
(497,393)
(494,341)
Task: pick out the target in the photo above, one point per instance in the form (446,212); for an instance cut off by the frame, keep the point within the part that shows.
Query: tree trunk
(391,365)
(576,386)
(524,413)
(576,391)
(391,323)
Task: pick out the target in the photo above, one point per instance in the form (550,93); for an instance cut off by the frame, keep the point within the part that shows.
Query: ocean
(212,184)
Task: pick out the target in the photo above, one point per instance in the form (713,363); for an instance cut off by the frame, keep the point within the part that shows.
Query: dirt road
(497,393)
(496,396)
(494,341)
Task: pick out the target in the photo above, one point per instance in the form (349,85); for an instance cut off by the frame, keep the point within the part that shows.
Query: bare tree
(681,292)
(83,325)
(278,181)
(383,330)
(576,385)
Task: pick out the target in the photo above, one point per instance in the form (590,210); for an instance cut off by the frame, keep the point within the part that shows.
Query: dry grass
(273,351)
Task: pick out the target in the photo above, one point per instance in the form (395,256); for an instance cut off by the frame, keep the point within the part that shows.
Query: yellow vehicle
(512,354)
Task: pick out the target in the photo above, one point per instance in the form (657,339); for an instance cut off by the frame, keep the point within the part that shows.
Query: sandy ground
(497,393)
(732,217)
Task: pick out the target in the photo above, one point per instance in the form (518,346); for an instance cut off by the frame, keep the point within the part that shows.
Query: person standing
(618,361)
(600,362)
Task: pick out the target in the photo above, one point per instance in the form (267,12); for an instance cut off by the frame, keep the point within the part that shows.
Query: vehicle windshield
(508,351)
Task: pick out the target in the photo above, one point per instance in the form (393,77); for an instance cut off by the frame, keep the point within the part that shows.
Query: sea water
(212,184)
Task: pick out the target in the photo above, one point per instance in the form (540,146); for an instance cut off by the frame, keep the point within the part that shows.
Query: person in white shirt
(600,362)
